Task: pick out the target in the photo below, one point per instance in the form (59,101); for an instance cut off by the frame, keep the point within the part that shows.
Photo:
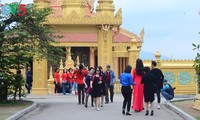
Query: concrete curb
(180,112)
(23,112)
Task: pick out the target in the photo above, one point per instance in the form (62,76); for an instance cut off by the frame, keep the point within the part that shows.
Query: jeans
(70,87)
(75,86)
(111,93)
(64,88)
(127,93)
(167,96)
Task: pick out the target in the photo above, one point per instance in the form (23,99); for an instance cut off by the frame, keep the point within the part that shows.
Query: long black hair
(128,69)
(80,68)
(146,69)
(56,69)
(139,67)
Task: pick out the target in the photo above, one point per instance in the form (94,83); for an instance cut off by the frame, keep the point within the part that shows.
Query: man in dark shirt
(29,79)
(110,79)
(159,80)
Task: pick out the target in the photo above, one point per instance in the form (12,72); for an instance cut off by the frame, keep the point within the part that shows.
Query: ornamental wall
(179,73)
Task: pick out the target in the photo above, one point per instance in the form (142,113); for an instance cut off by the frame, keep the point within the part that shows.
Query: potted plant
(197,64)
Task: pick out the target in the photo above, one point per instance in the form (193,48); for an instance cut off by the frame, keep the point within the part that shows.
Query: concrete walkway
(59,107)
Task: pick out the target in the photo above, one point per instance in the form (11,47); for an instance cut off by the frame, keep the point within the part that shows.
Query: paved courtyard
(59,107)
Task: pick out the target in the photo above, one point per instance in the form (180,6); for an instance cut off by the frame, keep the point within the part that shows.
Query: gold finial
(142,34)
(51,73)
(157,56)
(61,64)
(119,13)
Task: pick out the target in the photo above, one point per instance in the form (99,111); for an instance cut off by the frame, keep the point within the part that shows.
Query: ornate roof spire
(105,8)
(42,3)
(73,8)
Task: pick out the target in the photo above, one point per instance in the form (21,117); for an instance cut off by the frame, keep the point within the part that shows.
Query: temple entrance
(83,53)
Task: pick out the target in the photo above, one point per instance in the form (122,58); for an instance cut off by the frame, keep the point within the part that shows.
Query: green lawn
(11,107)
(187,106)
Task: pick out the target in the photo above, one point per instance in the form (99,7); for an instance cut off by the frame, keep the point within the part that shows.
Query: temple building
(95,38)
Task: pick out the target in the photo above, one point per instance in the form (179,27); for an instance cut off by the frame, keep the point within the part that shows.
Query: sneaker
(158,107)
(98,109)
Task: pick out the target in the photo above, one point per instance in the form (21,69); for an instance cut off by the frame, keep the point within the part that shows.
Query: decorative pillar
(39,76)
(105,46)
(133,53)
(92,59)
(116,67)
(61,68)
(77,61)
(50,84)
(157,56)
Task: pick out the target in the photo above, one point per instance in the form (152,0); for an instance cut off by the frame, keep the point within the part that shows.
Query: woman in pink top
(138,88)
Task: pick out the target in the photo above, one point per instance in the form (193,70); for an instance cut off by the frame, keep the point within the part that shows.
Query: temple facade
(95,38)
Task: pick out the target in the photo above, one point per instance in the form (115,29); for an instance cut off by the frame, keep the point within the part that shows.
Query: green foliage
(21,38)
(197,58)
(197,64)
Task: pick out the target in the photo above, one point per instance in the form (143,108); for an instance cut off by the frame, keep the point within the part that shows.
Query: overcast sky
(171,26)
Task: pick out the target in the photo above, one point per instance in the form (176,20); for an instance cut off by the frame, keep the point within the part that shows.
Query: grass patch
(9,108)
(187,106)
(12,103)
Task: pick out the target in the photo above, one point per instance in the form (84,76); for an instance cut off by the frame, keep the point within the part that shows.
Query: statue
(105,28)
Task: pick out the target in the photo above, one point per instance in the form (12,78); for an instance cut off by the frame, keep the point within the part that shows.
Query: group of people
(145,82)
(92,82)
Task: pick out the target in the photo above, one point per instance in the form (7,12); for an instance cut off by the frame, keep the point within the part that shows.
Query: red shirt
(56,77)
(64,77)
(80,76)
(108,77)
(70,77)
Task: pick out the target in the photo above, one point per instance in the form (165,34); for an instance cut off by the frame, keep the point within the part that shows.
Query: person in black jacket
(148,79)
(159,80)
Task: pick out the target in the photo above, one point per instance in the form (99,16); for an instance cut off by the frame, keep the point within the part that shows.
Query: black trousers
(81,92)
(127,93)
(158,95)
(111,93)
(28,86)
(57,86)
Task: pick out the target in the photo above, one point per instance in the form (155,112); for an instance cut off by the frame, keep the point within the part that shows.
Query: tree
(197,64)
(23,36)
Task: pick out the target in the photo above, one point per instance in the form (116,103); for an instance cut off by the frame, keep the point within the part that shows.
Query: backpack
(171,89)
